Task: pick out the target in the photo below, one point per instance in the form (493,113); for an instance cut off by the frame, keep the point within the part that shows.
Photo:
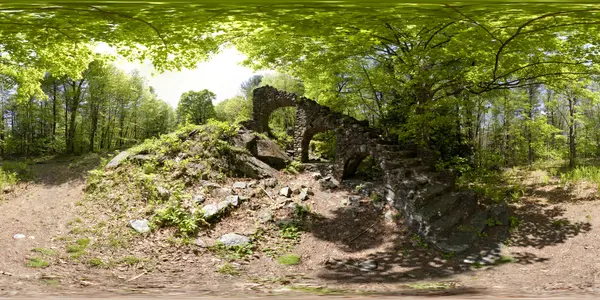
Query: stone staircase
(449,219)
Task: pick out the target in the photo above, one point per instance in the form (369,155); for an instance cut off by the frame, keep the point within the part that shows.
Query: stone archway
(303,141)
(265,101)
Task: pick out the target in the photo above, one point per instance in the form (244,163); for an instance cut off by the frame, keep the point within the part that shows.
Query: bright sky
(222,75)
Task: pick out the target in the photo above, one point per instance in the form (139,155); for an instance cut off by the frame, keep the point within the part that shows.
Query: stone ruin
(449,219)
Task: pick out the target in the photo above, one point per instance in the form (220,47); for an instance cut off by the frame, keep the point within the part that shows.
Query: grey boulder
(234,239)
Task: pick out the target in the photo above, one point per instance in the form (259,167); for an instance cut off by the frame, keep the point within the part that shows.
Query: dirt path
(40,210)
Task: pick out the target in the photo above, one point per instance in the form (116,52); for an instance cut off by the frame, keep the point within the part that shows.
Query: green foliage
(458,164)
(289,259)
(7,178)
(581,173)
(36,262)
(505,259)
(301,211)
(419,241)
(491,222)
(513,223)
(290,232)
(294,167)
(173,214)
(196,107)
(234,109)
(375,197)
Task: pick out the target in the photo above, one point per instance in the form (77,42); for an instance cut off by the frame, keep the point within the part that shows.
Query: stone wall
(451,220)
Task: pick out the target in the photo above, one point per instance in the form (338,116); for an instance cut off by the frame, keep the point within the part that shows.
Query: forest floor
(346,251)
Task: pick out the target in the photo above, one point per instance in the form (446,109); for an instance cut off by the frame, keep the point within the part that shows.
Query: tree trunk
(54,112)
(572,132)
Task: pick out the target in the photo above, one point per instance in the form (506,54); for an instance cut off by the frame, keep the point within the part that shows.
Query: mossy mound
(167,181)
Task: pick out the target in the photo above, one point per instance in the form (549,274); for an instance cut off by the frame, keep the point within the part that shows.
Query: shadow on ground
(407,258)
(57,170)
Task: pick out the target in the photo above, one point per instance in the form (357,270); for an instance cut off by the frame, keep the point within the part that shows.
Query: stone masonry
(451,220)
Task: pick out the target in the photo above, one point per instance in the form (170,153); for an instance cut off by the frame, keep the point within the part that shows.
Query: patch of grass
(231,252)
(36,262)
(317,290)
(51,281)
(77,250)
(228,269)
(117,241)
(131,260)
(505,259)
(96,262)
(45,251)
(560,223)
(432,285)
(62,238)
(420,242)
(289,259)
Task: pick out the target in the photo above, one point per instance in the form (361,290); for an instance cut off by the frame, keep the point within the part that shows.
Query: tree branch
(136,19)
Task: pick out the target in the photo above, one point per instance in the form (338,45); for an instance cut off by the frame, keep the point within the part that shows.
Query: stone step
(402,163)
(430,192)
(396,154)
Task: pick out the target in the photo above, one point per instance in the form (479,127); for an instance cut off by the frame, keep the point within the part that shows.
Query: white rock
(140,226)
(239,185)
(209,210)
(234,239)
(286,191)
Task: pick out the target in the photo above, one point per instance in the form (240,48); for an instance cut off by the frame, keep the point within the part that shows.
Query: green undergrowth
(581,173)
(12,172)
(157,182)
(498,186)
(231,253)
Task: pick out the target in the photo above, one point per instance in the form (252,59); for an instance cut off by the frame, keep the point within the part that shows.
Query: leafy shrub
(7,178)
(294,167)
(175,215)
(289,231)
